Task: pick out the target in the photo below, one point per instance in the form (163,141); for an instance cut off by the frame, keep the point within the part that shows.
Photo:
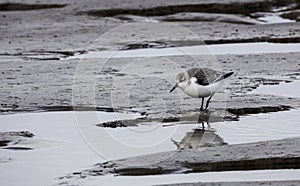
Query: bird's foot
(199,128)
(206,110)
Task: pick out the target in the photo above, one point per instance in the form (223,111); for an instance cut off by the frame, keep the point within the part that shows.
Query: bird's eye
(182,78)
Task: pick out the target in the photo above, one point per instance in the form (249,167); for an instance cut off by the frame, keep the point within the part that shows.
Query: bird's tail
(227,74)
(223,76)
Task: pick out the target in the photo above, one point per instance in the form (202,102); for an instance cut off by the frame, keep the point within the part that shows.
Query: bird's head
(181,81)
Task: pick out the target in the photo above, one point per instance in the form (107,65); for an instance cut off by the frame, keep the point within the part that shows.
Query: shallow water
(261,127)
(272,18)
(291,89)
(62,149)
(228,176)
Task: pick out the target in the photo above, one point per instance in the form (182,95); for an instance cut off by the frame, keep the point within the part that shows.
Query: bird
(200,83)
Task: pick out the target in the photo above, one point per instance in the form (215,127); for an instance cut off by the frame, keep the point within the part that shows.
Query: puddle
(260,127)
(67,145)
(223,49)
(228,176)
(152,137)
(198,138)
(290,89)
(61,147)
(271,17)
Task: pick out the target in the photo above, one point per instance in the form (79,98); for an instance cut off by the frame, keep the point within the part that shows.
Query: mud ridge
(147,44)
(254,39)
(247,183)
(45,55)
(277,154)
(255,164)
(195,117)
(76,108)
(210,17)
(18,148)
(245,8)
(24,7)
(135,122)
(293,15)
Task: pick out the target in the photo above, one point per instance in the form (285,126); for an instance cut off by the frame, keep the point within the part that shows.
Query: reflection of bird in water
(199,138)
(200,83)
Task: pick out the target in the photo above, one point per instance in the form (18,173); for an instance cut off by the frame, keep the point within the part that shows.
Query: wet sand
(30,64)
(39,74)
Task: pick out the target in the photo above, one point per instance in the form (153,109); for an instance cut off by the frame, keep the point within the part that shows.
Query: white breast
(198,91)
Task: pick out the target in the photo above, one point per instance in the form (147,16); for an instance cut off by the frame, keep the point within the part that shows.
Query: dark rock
(113,124)
(170,119)
(10,140)
(4,142)
(26,134)
(257,110)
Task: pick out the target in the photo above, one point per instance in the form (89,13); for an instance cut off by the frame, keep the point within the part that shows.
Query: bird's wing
(204,76)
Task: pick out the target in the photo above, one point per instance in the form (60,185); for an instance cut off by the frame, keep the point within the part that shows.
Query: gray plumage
(206,76)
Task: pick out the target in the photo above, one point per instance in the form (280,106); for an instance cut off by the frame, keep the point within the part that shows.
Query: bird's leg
(202,103)
(203,127)
(208,125)
(202,122)
(207,102)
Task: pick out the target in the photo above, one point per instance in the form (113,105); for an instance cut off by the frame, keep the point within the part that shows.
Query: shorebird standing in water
(200,83)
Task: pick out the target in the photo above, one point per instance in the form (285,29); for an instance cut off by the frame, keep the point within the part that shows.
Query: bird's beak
(175,86)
